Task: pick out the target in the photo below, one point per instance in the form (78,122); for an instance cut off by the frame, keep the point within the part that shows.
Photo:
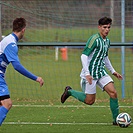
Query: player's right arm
(87,56)
(85,64)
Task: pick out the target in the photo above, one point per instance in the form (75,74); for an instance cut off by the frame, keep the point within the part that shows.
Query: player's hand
(40,80)
(116,74)
(89,79)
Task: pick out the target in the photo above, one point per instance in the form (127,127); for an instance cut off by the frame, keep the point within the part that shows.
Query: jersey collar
(102,38)
(15,37)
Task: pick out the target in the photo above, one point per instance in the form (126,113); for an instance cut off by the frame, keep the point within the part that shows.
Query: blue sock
(3,112)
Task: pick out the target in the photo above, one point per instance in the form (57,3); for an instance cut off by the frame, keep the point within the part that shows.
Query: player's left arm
(117,75)
(111,69)
(18,67)
(11,53)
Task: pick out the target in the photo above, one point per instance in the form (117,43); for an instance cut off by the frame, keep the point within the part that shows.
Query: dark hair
(19,24)
(104,21)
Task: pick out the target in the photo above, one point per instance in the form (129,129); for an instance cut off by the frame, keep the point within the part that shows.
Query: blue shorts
(3,87)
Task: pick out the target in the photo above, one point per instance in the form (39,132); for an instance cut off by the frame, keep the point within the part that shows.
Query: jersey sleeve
(85,63)
(109,65)
(11,52)
(108,47)
(90,45)
(18,67)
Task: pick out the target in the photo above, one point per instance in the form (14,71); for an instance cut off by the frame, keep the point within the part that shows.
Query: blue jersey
(8,52)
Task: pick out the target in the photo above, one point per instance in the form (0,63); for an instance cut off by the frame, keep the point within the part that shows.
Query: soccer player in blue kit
(94,58)
(9,54)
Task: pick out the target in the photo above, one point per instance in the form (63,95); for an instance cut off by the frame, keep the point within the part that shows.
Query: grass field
(62,119)
(39,109)
(71,34)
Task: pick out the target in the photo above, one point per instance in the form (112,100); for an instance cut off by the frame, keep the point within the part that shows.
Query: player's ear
(23,30)
(99,26)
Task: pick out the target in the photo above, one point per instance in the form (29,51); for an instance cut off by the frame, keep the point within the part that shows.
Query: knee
(113,94)
(90,99)
(89,102)
(7,103)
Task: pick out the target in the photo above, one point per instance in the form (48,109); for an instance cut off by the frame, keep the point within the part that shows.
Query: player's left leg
(110,89)
(106,83)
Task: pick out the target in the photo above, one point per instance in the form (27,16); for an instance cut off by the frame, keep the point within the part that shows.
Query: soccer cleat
(65,95)
(115,123)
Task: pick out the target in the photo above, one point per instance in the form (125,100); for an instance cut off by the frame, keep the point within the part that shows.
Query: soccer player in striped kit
(9,54)
(94,59)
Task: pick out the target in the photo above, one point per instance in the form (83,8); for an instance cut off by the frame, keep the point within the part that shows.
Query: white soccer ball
(123,120)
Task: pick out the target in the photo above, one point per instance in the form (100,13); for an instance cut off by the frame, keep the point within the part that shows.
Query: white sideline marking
(43,123)
(69,106)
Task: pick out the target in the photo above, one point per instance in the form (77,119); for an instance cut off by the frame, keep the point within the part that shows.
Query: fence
(52,23)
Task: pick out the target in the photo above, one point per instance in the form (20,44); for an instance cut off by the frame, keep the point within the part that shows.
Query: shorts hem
(4,97)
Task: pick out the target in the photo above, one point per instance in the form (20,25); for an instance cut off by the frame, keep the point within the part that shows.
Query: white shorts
(91,89)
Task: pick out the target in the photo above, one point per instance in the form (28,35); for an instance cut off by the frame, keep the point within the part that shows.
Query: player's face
(104,30)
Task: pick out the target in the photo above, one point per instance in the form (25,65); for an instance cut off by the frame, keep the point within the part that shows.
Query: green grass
(71,34)
(51,116)
(58,74)
(82,119)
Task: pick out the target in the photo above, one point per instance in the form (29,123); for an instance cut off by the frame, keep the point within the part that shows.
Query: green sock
(78,95)
(114,107)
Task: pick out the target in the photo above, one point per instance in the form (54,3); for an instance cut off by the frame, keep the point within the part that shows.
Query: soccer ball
(123,119)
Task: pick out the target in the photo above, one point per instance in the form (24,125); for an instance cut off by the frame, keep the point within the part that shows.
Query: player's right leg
(5,101)
(90,99)
(70,92)
(6,104)
(87,97)
(89,90)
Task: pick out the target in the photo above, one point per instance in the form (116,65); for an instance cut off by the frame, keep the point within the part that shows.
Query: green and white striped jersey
(97,49)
